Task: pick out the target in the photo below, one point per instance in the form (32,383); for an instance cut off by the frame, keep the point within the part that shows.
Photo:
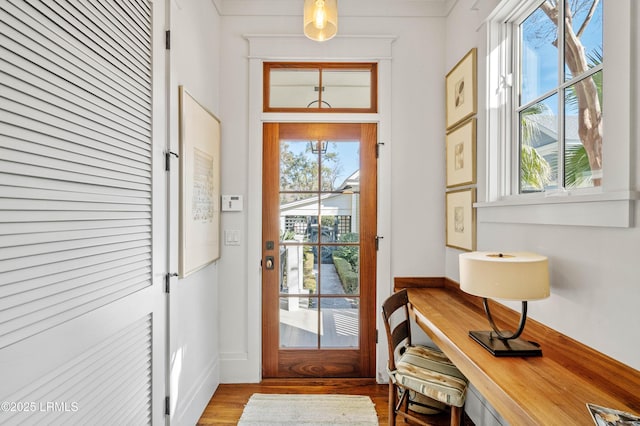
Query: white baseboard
(189,407)
(237,367)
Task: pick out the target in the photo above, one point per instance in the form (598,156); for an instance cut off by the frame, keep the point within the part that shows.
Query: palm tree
(587,95)
(577,165)
(535,171)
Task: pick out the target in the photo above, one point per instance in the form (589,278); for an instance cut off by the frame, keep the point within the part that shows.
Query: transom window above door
(320,87)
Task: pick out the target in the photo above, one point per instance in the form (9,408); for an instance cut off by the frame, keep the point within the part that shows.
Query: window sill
(615,209)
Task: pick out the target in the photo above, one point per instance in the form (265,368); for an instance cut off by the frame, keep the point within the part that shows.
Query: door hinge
(167,281)
(378,149)
(376,335)
(167,159)
(378,238)
(167,40)
(167,406)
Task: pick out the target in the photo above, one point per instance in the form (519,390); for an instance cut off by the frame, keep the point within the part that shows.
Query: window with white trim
(547,93)
(557,108)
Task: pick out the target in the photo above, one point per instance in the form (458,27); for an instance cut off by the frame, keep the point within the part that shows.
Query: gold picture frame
(199,233)
(461,90)
(461,154)
(461,219)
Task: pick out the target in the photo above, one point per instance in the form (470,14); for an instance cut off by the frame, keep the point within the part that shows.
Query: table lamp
(508,276)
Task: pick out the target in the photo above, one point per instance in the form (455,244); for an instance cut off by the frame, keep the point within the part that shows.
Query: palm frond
(577,170)
(535,171)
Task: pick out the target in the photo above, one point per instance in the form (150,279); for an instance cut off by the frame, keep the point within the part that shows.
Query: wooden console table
(549,390)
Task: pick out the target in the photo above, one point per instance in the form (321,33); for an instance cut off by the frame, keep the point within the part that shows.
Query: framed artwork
(461,154)
(461,90)
(199,185)
(461,219)
(603,416)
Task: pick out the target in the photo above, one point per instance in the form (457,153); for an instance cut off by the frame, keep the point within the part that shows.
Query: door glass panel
(299,270)
(340,210)
(298,322)
(346,88)
(340,166)
(328,233)
(319,243)
(340,218)
(341,274)
(294,226)
(298,216)
(293,88)
(298,166)
(340,322)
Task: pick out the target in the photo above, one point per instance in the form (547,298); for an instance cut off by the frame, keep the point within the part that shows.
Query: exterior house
(299,216)
(94,322)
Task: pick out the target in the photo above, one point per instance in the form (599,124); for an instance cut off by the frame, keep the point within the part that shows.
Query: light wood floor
(227,403)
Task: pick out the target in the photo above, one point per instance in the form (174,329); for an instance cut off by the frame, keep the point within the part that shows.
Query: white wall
(238,363)
(595,274)
(417,147)
(194,342)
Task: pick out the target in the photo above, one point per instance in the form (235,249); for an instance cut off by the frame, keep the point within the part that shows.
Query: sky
(348,155)
(540,56)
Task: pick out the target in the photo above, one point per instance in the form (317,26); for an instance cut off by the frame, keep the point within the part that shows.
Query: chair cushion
(429,372)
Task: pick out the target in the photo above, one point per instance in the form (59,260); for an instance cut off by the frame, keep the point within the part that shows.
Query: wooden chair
(421,379)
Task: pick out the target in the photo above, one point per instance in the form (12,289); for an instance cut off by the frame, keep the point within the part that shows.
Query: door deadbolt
(269,262)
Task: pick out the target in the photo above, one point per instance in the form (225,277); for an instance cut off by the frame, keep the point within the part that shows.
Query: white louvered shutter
(76,211)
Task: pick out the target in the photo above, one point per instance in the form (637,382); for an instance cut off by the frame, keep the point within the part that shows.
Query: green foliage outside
(349,253)
(287,235)
(577,168)
(346,260)
(348,277)
(535,171)
(327,221)
(309,280)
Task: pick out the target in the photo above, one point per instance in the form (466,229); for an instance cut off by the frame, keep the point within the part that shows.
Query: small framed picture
(461,154)
(461,90)
(461,219)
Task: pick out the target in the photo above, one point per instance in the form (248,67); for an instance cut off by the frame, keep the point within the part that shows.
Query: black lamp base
(505,348)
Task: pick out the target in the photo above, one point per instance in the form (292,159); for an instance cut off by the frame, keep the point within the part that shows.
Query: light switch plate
(231,237)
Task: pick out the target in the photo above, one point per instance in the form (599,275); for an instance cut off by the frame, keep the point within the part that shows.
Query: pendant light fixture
(320,19)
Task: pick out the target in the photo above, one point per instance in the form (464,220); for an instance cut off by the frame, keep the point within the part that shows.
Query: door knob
(269,262)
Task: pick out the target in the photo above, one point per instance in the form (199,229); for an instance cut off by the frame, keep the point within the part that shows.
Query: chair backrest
(395,312)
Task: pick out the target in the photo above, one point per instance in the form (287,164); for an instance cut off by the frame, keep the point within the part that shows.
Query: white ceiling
(369,8)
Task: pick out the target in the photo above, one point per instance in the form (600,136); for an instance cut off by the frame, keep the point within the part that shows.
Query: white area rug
(283,409)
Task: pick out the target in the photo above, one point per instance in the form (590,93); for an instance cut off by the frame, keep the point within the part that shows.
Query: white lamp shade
(320,19)
(507,276)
